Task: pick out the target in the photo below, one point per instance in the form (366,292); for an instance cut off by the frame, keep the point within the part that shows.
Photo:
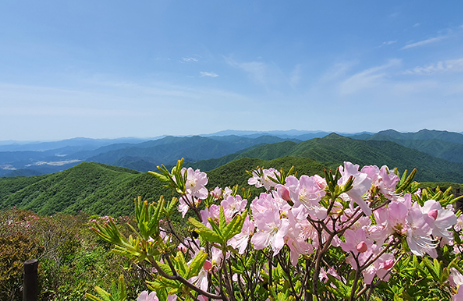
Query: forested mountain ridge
(143,155)
(140,156)
(334,149)
(440,144)
(91,187)
(169,149)
(107,190)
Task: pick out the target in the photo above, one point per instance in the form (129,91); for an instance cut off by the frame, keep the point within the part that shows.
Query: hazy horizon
(219,133)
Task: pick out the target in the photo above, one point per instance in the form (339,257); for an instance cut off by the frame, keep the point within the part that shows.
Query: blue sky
(107,69)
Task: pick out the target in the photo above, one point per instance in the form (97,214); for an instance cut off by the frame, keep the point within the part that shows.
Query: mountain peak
(388,132)
(333,136)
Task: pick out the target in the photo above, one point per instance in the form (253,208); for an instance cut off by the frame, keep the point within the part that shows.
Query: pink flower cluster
(277,223)
(195,188)
(367,219)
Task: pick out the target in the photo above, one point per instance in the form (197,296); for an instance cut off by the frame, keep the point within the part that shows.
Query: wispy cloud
(439,67)
(208,74)
(367,78)
(295,76)
(337,71)
(424,42)
(189,59)
(47,111)
(256,70)
(54,163)
(416,24)
(387,43)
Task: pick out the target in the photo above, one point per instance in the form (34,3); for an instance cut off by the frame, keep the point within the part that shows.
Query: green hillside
(234,172)
(334,149)
(107,190)
(90,187)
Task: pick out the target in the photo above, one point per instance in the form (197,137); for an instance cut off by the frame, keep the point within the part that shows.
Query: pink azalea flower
(419,231)
(455,277)
(200,280)
(387,182)
(196,183)
(307,192)
(459,224)
(458,296)
(264,180)
(356,241)
(379,268)
(217,257)
(233,205)
(361,184)
(216,193)
(144,296)
(295,239)
(240,241)
(440,219)
(227,192)
(382,229)
(183,207)
(271,231)
(260,206)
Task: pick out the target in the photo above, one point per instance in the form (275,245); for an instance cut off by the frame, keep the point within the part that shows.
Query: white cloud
(367,78)
(439,67)
(424,42)
(416,24)
(189,59)
(208,74)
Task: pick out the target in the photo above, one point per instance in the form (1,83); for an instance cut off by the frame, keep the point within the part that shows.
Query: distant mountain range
(439,144)
(213,150)
(99,188)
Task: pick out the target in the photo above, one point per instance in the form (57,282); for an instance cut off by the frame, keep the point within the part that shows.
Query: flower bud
(284,193)
(388,264)
(433,214)
(207,265)
(362,247)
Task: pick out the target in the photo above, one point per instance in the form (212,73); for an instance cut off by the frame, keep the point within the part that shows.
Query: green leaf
(196,264)
(222,221)
(430,268)
(181,264)
(121,290)
(206,233)
(342,290)
(160,177)
(103,294)
(92,298)
(407,182)
(235,226)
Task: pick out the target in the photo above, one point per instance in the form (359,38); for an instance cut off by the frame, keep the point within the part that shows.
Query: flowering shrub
(356,234)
